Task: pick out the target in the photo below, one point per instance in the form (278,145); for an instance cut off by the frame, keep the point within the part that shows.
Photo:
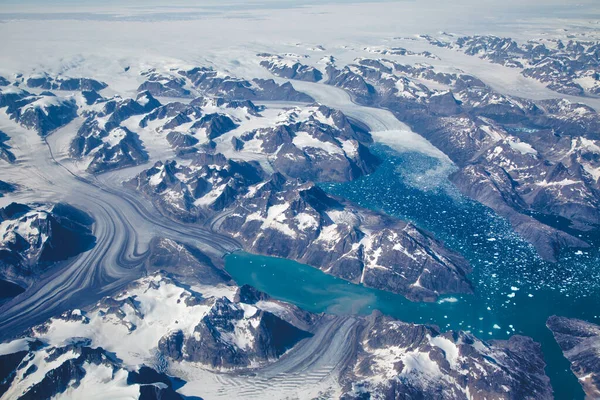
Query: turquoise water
(515,290)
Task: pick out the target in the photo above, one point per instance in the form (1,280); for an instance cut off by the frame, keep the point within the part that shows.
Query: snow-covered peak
(32,227)
(204,325)
(401,357)
(34,236)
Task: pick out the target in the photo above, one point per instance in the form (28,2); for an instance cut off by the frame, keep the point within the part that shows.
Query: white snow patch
(450,349)
(303,140)
(522,147)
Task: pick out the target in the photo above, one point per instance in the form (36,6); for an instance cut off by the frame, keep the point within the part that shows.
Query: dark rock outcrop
(5,153)
(122,148)
(6,187)
(44,113)
(36,237)
(399,360)
(579,341)
(210,183)
(290,69)
(214,125)
(523,159)
(44,81)
(301,222)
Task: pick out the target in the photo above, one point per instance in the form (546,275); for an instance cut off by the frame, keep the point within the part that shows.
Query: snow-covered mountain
(200,121)
(207,81)
(107,150)
(155,324)
(313,143)
(47,82)
(288,67)
(569,67)
(103,142)
(291,219)
(43,113)
(294,219)
(196,190)
(516,156)
(203,156)
(400,360)
(158,336)
(34,236)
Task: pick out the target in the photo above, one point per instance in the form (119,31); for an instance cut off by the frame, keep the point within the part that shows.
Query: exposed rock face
(45,81)
(108,139)
(106,145)
(228,324)
(314,143)
(579,341)
(569,68)
(246,107)
(177,114)
(181,141)
(350,81)
(214,125)
(301,222)
(6,187)
(224,329)
(33,237)
(490,187)
(400,51)
(210,183)
(192,127)
(118,110)
(5,153)
(289,68)
(518,157)
(212,83)
(207,81)
(88,139)
(44,113)
(288,218)
(203,326)
(164,85)
(237,144)
(76,370)
(91,97)
(121,148)
(399,360)
(423,72)
(186,261)
(12,97)
(107,150)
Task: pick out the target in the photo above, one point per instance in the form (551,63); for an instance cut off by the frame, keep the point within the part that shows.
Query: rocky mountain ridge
(516,156)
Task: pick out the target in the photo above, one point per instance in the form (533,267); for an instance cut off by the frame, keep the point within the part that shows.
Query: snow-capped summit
(45,81)
(289,67)
(43,113)
(32,237)
(208,183)
(158,337)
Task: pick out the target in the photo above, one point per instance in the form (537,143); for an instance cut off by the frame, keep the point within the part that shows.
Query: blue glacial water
(515,291)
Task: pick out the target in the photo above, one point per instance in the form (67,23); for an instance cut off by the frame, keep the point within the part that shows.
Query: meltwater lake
(515,291)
